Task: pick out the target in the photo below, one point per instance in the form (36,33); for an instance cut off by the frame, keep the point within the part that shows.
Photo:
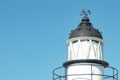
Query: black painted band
(103,63)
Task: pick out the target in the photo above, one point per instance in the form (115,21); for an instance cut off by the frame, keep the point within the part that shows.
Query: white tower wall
(84,48)
(84,71)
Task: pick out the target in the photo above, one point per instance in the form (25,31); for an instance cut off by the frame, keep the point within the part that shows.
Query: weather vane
(85,12)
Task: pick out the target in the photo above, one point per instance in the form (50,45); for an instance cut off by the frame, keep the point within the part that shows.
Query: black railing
(110,73)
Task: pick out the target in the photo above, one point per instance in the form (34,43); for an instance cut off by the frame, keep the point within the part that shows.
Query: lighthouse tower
(85,55)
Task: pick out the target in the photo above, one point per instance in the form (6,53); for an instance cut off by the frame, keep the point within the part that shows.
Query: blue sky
(33,34)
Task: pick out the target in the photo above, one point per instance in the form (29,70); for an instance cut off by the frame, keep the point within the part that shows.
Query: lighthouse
(85,55)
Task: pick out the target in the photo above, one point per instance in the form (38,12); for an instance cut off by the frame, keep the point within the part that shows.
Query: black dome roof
(85,28)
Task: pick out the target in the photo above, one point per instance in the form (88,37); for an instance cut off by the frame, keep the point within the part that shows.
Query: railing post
(53,75)
(65,73)
(117,76)
(60,77)
(113,73)
(91,73)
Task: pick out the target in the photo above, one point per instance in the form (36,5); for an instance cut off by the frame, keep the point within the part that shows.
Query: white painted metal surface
(83,72)
(85,48)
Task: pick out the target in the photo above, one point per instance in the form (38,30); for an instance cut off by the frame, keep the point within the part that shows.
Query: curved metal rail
(60,73)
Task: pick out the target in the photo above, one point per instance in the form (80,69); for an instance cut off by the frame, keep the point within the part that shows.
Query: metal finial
(85,12)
